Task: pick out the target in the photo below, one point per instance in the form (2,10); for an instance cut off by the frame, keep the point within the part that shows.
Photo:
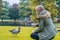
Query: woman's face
(38,9)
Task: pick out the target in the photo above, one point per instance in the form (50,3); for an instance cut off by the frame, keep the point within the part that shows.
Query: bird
(15,31)
(58,30)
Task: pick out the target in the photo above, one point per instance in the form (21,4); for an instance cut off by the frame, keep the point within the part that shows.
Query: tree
(14,12)
(5,12)
(5,7)
(58,7)
(51,7)
(24,8)
(0,7)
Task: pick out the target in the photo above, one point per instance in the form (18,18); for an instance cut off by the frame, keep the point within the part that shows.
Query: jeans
(52,38)
(34,36)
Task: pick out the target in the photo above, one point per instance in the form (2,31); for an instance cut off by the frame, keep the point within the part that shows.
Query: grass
(23,35)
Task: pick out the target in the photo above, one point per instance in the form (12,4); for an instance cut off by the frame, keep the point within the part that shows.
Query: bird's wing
(15,30)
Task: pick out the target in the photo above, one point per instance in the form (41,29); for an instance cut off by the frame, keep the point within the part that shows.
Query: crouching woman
(46,29)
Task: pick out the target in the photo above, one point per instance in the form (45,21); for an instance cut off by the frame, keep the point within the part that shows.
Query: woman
(46,29)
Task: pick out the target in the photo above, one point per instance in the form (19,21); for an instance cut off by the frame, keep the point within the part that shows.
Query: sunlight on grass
(23,35)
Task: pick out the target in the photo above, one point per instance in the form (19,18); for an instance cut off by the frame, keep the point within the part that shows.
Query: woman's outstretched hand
(34,25)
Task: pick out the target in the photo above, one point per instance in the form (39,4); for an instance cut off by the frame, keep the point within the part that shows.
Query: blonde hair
(39,7)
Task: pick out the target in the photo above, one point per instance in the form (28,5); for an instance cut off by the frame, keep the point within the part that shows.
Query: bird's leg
(15,34)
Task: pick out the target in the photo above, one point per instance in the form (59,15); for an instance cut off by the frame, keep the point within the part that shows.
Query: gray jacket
(46,29)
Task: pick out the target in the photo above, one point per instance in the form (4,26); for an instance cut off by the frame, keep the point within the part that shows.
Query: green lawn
(23,35)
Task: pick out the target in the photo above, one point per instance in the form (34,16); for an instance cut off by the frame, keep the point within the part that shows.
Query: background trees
(5,7)
(14,12)
(58,7)
(48,4)
(0,7)
(28,6)
(24,8)
(5,13)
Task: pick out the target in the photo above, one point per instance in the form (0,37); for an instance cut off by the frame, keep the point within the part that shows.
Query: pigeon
(15,31)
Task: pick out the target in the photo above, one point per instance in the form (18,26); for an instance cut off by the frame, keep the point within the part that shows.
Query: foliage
(14,12)
(24,8)
(0,7)
(58,7)
(51,7)
(5,7)
(4,10)
(48,4)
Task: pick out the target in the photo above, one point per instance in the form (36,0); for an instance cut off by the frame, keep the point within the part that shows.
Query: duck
(15,31)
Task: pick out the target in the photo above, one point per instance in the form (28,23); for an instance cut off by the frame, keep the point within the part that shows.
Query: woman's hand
(33,31)
(34,24)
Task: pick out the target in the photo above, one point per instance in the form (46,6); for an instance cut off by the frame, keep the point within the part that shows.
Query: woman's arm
(34,25)
(40,28)
(46,15)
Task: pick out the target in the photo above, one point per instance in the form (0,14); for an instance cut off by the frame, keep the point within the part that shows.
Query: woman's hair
(39,7)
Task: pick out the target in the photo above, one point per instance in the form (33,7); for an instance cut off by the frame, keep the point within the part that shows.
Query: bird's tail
(10,30)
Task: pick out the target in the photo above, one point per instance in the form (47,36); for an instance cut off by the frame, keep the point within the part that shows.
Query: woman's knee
(34,36)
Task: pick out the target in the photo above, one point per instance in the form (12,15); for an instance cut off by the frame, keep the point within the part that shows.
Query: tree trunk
(2,19)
